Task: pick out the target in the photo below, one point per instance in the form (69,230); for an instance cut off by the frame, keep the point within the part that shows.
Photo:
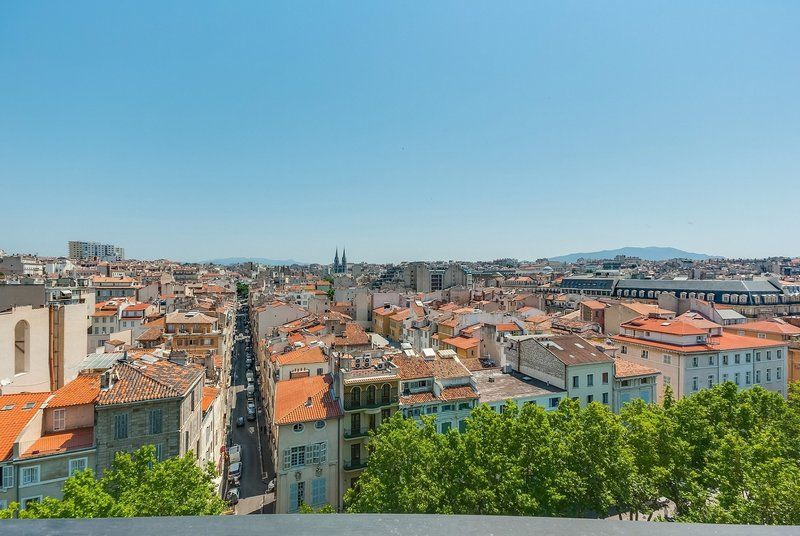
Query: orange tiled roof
(418,398)
(292,400)
(508,327)
(60,442)
(354,335)
(16,417)
(162,379)
(627,369)
(410,368)
(775,326)
(724,342)
(302,356)
(458,393)
(209,394)
(82,390)
(670,327)
(464,343)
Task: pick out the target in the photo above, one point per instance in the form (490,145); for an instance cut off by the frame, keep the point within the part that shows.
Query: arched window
(371,394)
(386,393)
(355,396)
(22,347)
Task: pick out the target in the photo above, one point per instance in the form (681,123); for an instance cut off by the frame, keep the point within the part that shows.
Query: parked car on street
(235,453)
(239,421)
(233,495)
(235,473)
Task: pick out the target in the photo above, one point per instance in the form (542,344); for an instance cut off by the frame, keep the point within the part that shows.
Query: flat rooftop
(495,386)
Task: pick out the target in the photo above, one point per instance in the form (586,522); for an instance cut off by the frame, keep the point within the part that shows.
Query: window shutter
(287,458)
(293,506)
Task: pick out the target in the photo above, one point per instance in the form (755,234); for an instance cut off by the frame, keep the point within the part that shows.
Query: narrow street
(257,468)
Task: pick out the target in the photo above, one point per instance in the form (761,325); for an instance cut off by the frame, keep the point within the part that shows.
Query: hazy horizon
(195,130)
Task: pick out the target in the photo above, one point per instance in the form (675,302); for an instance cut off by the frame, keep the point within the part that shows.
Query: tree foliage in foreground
(722,455)
(137,485)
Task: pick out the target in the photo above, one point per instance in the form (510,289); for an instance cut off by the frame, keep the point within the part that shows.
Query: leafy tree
(723,455)
(137,485)
(324,509)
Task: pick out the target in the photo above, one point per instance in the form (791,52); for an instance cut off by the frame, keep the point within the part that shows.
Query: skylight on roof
(8,407)
(29,405)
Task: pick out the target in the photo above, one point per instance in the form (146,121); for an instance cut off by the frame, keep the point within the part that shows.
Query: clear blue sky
(403,130)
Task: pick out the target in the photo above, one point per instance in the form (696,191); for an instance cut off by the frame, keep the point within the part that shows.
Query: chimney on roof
(308,402)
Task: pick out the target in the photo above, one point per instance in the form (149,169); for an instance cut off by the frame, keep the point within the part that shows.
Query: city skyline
(562,127)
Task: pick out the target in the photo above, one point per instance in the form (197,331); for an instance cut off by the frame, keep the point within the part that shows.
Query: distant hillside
(647,253)
(239,260)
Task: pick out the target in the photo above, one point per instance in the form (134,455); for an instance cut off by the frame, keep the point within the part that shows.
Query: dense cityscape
(282,381)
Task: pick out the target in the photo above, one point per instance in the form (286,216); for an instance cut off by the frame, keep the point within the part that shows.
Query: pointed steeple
(344,261)
(336,261)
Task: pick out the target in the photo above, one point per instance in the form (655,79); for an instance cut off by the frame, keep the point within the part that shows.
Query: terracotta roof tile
(78,438)
(292,400)
(151,381)
(463,392)
(82,390)
(302,356)
(209,395)
(627,369)
(16,417)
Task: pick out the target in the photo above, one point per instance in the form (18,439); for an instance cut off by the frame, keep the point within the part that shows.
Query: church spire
(336,261)
(344,261)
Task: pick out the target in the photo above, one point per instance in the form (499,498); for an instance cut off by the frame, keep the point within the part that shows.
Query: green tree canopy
(722,455)
(137,485)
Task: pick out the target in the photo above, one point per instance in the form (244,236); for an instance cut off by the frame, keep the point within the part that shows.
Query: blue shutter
(293,506)
(318,492)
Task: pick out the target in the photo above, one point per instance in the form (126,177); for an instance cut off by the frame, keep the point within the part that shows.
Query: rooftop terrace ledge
(369,525)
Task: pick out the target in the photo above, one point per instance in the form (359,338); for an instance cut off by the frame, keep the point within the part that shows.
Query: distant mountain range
(239,260)
(651,253)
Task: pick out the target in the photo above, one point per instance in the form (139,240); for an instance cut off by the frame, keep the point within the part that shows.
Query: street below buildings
(257,468)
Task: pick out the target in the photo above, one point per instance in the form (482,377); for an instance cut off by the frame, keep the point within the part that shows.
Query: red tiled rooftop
(305,399)
(16,417)
(61,442)
(82,390)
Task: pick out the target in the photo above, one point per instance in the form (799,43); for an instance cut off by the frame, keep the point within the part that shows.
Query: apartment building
(775,329)
(39,347)
(693,354)
(368,385)
(194,332)
(114,287)
(305,444)
(434,384)
(94,250)
(566,362)
(149,401)
(633,381)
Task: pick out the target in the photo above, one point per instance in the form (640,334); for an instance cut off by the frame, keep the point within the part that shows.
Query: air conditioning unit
(366,362)
(358,362)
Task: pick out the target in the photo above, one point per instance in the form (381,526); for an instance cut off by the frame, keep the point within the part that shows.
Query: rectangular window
(737,358)
(318,492)
(736,378)
(575,382)
(605,378)
(553,402)
(121,426)
(623,350)
(694,384)
(711,361)
(694,362)
(589,399)
(159,451)
(747,358)
(645,354)
(779,353)
(667,359)
(8,476)
(154,421)
(778,373)
(724,377)
(59,419)
(76,464)
(769,355)
(758,376)
(710,381)
(589,380)
(29,475)
(769,375)
(725,360)
(758,357)
(445,427)
(605,398)
(294,457)
(747,378)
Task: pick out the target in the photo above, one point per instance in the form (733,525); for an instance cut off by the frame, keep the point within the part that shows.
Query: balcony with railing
(355,464)
(363,401)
